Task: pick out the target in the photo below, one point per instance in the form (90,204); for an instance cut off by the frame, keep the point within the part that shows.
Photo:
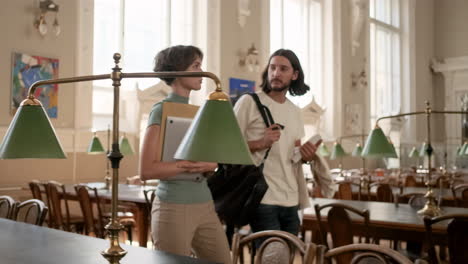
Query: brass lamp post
(31,128)
(377,145)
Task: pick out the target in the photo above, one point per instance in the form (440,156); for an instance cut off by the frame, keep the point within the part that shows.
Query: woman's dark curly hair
(297,87)
(176,58)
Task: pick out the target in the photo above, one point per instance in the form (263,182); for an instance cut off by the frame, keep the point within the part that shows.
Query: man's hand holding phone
(272,134)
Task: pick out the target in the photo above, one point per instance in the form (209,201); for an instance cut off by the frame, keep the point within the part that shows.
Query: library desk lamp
(323,150)
(377,145)
(215,135)
(338,153)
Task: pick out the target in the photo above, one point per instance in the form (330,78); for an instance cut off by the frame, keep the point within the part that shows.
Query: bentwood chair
(361,253)
(90,203)
(39,192)
(95,225)
(457,230)
(345,191)
(7,206)
(31,211)
(58,203)
(460,194)
(340,227)
(278,247)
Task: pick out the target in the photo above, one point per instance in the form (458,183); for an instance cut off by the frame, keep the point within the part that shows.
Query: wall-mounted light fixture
(249,59)
(40,23)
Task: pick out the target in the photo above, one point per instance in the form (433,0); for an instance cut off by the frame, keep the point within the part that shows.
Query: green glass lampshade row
(423,149)
(457,151)
(125,147)
(377,146)
(337,151)
(394,155)
(463,149)
(95,146)
(31,135)
(323,150)
(214,136)
(414,153)
(357,151)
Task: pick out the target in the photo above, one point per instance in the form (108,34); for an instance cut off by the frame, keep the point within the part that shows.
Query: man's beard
(279,89)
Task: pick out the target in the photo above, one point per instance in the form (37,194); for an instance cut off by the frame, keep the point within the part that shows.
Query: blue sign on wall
(238,87)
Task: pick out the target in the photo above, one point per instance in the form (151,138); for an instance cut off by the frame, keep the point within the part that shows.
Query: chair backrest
(340,226)
(92,225)
(361,253)
(35,187)
(457,230)
(56,194)
(7,206)
(410,181)
(149,197)
(31,211)
(460,194)
(278,247)
(345,191)
(384,193)
(416,200)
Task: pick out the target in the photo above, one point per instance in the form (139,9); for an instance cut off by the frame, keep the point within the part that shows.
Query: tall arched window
(385,57)
(297,25)
(138,29)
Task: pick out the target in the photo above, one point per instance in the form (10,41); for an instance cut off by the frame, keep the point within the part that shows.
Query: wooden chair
(35,187)
(37,190)
(384,192)
(31,211)
(150,195)
(457,230)
(278,247)
(460,195)
(345,191)
(410,181)
(361,253)
(93,225)
(7,207)
(340,227)
(57,200)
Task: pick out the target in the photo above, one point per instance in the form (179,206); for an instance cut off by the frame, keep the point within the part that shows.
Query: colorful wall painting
(28,69)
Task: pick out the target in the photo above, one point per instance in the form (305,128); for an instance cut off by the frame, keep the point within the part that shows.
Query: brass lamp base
(114,253)
(431,208)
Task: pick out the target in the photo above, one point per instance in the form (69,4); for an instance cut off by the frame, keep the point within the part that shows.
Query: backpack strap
(266,115)
(264,111)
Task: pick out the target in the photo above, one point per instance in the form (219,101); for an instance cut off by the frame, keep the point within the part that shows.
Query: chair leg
(129,233)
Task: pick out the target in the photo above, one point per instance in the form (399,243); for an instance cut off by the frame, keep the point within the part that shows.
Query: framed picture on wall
(28,69)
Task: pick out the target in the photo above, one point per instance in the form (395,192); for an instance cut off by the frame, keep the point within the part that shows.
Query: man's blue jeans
(274,217)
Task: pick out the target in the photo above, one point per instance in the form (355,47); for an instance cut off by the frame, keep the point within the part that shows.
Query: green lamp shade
(337,151)
(463,149)
(357,151)
(95,146)
(323,150)
(214,136)
(414,153)
(377,146)
(125,147)
(31,135)
(394,155)
(423,150)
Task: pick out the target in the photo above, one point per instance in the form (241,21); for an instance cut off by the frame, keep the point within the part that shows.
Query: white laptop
(176,127)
